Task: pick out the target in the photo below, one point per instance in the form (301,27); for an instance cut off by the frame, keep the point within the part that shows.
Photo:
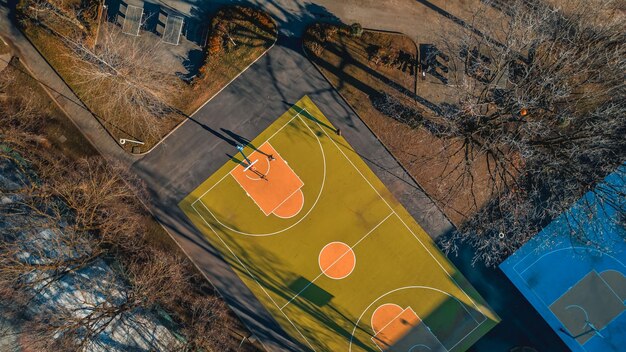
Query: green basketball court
(327,249)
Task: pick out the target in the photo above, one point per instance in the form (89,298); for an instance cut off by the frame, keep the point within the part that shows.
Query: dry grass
(345,61)
(117,124)
(60,136)
(61,133)
(252,38)
(4,48)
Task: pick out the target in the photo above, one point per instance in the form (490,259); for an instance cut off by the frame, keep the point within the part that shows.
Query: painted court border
(552,263)
(393,212)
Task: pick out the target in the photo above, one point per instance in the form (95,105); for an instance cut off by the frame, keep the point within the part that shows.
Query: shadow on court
(306,114)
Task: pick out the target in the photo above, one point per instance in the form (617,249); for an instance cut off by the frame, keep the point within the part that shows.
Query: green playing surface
(344,201)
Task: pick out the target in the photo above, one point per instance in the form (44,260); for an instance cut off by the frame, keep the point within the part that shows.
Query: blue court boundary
(552,262)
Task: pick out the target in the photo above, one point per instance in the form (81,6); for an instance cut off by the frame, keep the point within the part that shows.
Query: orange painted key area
(391,323)
(270,183)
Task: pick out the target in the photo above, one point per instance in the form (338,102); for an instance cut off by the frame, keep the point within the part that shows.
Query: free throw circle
(383,315)
(337,260)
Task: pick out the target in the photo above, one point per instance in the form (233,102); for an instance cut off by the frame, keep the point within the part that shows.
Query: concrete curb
(452,225)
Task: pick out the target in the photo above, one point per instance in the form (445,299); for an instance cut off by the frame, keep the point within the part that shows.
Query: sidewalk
(59,91)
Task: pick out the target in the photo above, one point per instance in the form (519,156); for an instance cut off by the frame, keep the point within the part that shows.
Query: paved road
(248,106)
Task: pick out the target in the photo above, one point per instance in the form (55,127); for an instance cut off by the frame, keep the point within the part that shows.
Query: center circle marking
(337,260)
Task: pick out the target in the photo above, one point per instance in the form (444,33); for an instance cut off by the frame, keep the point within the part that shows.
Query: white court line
(380,196)
(584,311)
(466,335)
(421,322)
(250,274)
(411,287)
(411,231)
(568,248)
(296,213)
(622,299)
(338,259)
(251,165)
(533,291)
(319,261)
(394,318)
(376,310)
(563,294)
(228,173)
(269,168)
(287,198)
(268,171)
(319,194)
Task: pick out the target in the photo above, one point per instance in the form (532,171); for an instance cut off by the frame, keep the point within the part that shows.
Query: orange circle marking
(383,315)
(337,260)
(291,206)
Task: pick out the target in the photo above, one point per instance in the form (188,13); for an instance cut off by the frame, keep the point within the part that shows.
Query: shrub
(215,44)
(356,30)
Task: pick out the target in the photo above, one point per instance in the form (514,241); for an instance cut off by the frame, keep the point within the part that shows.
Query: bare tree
(122,69)
(118,77)
(540,99)
(65,218)
(115,298)
(210,325)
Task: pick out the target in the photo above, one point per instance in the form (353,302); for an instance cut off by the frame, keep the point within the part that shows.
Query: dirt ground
(5,55)
(346,62)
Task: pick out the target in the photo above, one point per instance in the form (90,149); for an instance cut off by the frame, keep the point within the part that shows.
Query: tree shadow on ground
(458,21)
(433,61)
(339,71)
(521,325)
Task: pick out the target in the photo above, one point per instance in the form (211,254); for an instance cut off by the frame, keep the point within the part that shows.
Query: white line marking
(319,194)
(609,287)
(466,335)
(296,213)
(319,261)
(228,173)
(402,310)
(287,198)
(269,167)
(251,165)
(250,274)
(411,231)
(338,259)
(568,248)
(180,124)
(421,322)
(321,188)
(584,312)
(403,288)
(376,310)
